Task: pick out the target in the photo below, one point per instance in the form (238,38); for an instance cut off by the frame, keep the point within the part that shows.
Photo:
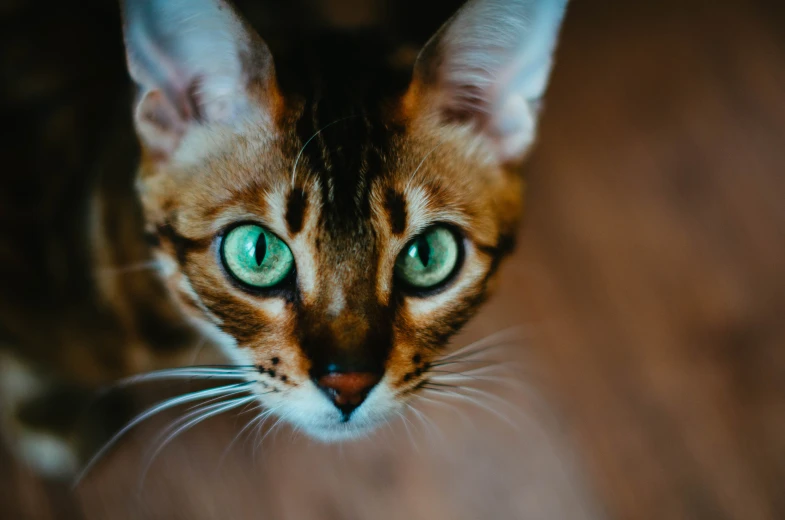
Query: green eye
(255,256)
(429,259)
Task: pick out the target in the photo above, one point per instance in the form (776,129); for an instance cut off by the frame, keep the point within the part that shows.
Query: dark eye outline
(424,292)
(286,288)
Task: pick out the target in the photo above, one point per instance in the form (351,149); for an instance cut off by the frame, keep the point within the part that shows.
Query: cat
(327,214)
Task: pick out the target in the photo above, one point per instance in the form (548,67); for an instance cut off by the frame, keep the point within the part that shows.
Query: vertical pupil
(261,249)
(423,251)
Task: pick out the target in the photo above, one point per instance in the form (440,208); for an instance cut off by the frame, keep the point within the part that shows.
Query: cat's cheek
(405,359)
(225,343)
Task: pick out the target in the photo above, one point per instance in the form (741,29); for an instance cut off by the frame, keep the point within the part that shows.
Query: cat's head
(324,217)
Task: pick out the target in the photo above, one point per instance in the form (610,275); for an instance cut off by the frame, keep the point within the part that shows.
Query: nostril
(348,390)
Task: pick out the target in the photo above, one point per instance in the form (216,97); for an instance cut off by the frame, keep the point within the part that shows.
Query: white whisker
(489,395)
(412,175)
(408,431)
(198,349)
(449,406)
(279,425)
(458,377)
(257,430)
(484,362)
(300,153)
(214,410)
(427,423)
(205,373)
(257,419)
(256,434)
(465,356)
(505,334)
(505,367)
(269,430)
(199,409)
(476,402)
(242,389)
(169,403)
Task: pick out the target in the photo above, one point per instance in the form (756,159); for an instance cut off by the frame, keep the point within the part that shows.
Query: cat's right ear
(195,63)
(486,69)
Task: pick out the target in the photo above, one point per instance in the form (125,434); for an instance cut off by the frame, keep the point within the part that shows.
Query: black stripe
(395,205)
(182,245)
(504,246)
(296,206)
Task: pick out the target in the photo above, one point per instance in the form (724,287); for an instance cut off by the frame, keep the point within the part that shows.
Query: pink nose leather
(347,390)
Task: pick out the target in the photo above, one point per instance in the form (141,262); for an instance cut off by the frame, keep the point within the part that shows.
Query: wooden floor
(651,282)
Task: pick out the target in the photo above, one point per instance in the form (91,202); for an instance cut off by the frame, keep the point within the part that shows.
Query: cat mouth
(312,411)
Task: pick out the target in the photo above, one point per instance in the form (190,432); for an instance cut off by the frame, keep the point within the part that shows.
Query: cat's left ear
(196,62)
(488,67)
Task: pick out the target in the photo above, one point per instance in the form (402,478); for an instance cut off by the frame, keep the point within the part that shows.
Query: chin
(338,432)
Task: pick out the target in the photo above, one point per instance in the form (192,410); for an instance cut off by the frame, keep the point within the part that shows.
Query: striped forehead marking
(296,208)
(395,206)
(342,127)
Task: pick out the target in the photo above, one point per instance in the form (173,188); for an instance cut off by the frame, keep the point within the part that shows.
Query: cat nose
(347,390)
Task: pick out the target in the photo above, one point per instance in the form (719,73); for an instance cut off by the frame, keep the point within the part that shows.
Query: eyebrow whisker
(300,153)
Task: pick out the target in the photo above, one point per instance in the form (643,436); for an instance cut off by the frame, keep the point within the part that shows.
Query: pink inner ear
(159,124)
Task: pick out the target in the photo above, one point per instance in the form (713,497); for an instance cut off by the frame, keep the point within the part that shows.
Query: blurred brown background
(650,278)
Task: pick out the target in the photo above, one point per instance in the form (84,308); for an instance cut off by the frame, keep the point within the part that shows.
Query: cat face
(327,219)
